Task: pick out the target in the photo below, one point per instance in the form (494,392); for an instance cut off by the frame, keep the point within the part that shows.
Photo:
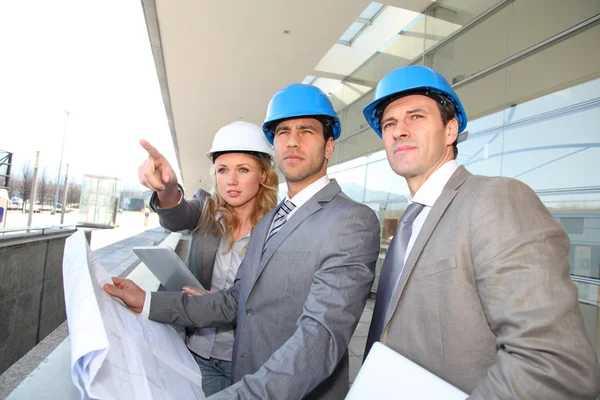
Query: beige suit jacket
(485,300)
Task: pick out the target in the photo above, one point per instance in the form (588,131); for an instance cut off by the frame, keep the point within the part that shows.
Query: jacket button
(249,312)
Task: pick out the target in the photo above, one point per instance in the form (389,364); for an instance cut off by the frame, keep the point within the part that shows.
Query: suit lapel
(302,213)
(260,234)
(438,209)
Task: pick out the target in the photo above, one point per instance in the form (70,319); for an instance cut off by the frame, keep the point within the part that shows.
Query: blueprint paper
(88,339)
(115,353)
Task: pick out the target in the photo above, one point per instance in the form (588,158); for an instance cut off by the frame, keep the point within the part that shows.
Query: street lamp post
(33,190)
(60,164)
(64,199)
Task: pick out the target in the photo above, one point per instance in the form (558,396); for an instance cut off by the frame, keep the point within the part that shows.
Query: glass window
(563,98)
(482,153)
(347,165)
(579,214)
(352,31)
(380,155)
(407,46)
(572,225)
(456,59)
(309,79)
(383,185)
(556,152)
(563,15)
(371,10)
(352,182)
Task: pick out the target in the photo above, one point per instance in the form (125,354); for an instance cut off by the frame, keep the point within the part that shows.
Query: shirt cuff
(146,310)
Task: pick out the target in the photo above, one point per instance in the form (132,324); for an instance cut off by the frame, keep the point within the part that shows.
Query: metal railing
(37,228)
(20,232)
(585,279)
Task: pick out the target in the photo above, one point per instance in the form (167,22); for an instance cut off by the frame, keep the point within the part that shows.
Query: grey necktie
(280,218)
(390,272)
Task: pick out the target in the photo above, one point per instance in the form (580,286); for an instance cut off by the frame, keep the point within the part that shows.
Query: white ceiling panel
(220,61)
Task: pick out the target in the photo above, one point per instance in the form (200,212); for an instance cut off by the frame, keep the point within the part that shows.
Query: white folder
(386,374)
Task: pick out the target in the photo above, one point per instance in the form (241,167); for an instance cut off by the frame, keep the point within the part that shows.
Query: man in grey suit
(308,270)
(481,294)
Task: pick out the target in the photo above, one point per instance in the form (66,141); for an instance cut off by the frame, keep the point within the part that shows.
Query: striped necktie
(280,218)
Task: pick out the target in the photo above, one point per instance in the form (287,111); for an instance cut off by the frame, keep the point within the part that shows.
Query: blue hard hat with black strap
(300,100)
(414,79)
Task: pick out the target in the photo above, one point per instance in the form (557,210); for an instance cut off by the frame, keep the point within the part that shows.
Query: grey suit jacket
(203,248)
(485,300)
(297,305)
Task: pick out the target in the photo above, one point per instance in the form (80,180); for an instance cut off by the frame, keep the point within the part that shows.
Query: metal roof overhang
(221,61)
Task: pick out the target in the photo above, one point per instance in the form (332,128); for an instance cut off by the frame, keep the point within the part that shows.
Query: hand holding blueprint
(116,354)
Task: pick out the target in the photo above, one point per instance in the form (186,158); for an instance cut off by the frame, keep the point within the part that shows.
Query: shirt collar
(429,192)
(305,194)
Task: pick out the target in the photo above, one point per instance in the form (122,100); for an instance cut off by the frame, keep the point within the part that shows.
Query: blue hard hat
(407,80)
(300,100)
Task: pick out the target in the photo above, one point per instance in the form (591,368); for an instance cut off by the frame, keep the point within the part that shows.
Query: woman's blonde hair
(218,215)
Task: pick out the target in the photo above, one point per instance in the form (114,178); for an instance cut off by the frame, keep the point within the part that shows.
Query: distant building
(99,202)
(135,204)
(135,200)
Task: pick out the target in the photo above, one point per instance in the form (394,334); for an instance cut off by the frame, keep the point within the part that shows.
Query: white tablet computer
(168,268)
(386,374)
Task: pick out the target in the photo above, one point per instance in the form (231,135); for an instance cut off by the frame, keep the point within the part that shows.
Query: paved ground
(359,339)
(119,256)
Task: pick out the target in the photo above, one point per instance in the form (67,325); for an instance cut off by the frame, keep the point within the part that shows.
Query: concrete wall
(31,292)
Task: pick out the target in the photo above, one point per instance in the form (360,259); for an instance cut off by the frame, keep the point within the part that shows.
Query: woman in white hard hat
(245,189)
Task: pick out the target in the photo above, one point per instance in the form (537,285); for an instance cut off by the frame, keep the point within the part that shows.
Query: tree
(26,183)
(73,194)
(13,186)
(44,187)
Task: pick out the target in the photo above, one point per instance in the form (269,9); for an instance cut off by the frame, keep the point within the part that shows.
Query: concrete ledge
(47,234)
(44,372)
(30,363)
(31,291)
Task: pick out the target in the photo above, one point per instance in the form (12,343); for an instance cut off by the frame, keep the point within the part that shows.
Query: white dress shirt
(427,195)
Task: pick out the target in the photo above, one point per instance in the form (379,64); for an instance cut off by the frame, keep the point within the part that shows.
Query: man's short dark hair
(448,112)
(327,126)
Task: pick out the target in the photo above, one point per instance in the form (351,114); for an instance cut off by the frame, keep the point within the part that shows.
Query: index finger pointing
(152,152)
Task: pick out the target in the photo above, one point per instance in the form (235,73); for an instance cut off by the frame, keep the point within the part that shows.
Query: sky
(92,59)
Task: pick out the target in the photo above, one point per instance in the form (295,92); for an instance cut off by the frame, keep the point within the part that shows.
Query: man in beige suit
(479,290)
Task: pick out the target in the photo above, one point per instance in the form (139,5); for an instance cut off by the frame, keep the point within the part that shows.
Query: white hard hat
(241,136)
